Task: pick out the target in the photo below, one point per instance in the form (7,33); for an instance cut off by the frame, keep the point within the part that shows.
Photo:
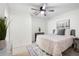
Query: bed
(56,44)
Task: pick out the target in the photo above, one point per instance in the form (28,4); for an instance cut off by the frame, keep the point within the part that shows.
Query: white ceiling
(58,7)
(55,4)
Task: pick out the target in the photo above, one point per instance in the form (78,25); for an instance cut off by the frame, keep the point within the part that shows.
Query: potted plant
(3,31)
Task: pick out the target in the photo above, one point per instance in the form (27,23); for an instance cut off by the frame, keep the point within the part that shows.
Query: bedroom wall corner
(73,15)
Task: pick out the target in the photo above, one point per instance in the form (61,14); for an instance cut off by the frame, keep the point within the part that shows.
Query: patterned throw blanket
(34,50)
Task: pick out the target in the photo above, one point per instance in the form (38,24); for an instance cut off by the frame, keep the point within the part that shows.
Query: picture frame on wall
(63,24)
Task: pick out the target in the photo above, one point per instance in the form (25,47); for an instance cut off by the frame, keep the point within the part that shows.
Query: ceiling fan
(43,9)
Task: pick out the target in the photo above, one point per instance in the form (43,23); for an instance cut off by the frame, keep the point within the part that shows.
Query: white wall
(20,27)
(2,8)
(36,23)
(73,15)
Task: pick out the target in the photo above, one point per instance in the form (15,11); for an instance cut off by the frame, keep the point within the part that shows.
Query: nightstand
(76,44)
(39,33)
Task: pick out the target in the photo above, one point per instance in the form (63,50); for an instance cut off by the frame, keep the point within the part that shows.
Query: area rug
(34,50)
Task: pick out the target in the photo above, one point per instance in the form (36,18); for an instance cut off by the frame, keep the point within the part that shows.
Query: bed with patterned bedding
(54,44)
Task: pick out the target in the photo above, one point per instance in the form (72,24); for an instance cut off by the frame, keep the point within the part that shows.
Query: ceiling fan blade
(35,9)
(36,13)
(51,10)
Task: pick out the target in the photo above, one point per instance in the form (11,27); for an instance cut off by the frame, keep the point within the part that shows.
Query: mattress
(54,44)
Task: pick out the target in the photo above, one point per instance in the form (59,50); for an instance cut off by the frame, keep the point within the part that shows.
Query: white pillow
(67,32)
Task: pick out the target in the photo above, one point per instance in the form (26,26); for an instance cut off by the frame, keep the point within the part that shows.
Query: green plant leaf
(3,28)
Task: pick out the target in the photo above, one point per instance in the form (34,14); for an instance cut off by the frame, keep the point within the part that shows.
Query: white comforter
(54,44)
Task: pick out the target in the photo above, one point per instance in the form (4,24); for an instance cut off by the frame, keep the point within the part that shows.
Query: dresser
(38,33)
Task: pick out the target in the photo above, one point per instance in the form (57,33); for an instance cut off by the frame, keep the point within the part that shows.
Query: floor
(3,52)
(71,52)
(36,51)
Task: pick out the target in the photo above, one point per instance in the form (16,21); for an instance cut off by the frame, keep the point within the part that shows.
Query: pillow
(67,32)
(72,32)
(61,32)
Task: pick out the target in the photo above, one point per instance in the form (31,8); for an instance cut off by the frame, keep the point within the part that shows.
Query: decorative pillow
(67,32)
(72,32)
(61,32)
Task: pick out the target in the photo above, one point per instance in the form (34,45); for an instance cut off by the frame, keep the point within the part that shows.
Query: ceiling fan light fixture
(42,12)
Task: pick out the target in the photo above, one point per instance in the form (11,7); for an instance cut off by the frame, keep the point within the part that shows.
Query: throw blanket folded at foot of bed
(34,50)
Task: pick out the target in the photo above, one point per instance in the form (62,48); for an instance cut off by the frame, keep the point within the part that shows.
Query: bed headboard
(63,24)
